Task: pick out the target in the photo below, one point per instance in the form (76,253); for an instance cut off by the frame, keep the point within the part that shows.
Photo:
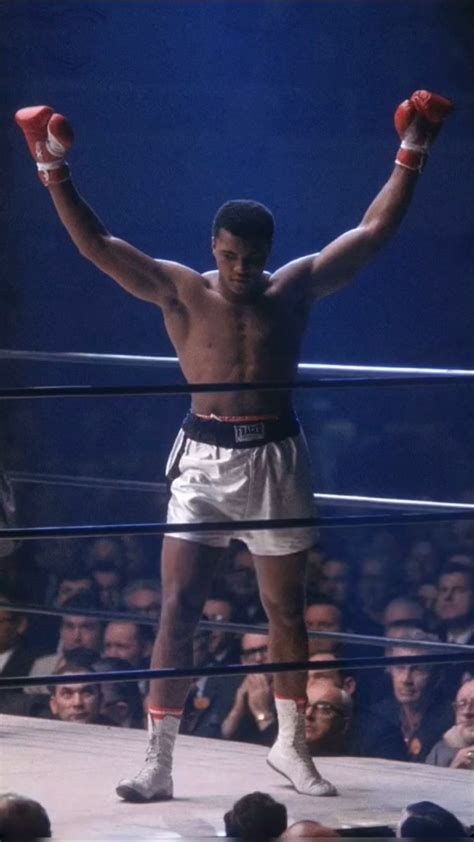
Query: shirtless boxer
(239,454)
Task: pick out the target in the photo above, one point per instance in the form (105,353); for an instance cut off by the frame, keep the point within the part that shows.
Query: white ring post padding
(171,362)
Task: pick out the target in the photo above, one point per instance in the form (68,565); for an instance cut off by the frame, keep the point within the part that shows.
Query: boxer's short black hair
(246,219)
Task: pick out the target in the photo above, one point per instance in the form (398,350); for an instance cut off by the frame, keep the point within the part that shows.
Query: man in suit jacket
(211,698)
(207,705)
(16,655)
(454,607)
(419,702)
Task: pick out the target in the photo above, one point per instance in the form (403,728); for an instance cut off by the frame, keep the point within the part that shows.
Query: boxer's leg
(187,569)
(281,585)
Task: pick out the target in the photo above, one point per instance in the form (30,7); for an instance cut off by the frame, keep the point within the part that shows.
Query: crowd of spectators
(412,584)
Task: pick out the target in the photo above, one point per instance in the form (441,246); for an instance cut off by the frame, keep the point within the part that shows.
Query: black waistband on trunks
(235,435)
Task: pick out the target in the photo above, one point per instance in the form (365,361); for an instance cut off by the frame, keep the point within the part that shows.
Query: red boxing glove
(418,121)
(48,136)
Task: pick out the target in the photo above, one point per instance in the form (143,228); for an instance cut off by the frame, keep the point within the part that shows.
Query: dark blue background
(179,106)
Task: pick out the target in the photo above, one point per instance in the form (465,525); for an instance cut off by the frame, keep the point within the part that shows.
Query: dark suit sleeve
(373,737)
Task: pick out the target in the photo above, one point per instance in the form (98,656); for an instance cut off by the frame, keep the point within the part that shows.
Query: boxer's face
(240,264)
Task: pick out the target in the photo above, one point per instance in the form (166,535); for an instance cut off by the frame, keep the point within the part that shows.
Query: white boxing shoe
(298,767)
(153,782)
(290,754)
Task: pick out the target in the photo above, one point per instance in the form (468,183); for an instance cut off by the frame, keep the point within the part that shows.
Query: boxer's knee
(180,612)
(284,611)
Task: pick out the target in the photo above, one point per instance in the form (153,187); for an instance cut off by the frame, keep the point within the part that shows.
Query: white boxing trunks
(233,471)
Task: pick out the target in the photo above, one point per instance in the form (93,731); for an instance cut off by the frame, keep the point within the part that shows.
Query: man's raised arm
(49,137)
(417,121)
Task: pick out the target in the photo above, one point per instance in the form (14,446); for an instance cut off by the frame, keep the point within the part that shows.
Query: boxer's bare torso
(219,339)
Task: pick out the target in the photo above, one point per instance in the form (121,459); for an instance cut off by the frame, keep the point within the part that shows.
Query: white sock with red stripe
(154,782)
(158,713)
(163,727)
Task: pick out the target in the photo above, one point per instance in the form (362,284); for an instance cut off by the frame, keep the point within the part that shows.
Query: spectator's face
(145,601)
(455,597)
(254,648)
(122,640)
(207,643)
(220,611)
(76,703)
(421,562)
(106,549)
(114,706)
(326,715)
(428,593)
(409,681)
(373,584)
(322,618)
(465,710)
(108,582)
(81,632)
(335,580)
(331,677)
(463,531)
(71,587)
(135,555)
(12,626)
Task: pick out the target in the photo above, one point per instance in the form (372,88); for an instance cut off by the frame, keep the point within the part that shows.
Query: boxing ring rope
(107,483)
(103,530)
(9,682)
(241,628)
(23,392)
(172,362)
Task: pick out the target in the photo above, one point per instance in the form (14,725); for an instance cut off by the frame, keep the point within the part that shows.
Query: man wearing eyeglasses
(456,748)
(328,719)
(333,729)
